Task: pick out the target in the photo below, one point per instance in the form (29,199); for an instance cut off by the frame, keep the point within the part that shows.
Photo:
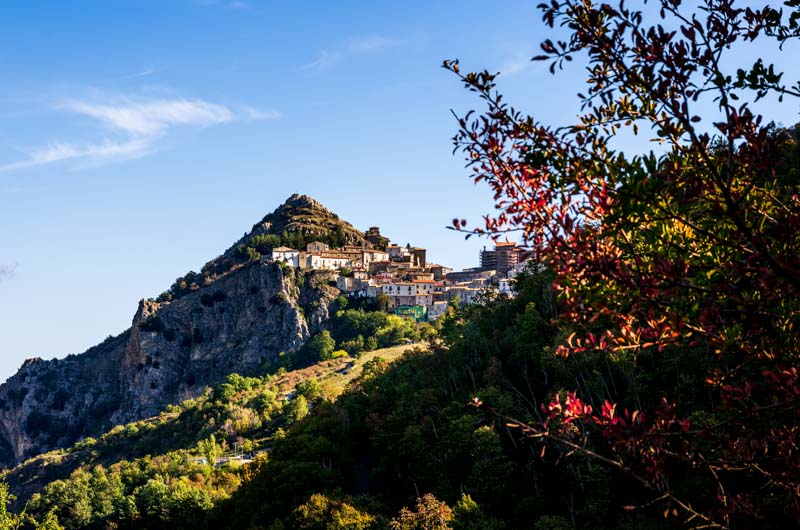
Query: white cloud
(235,4)
(325,60)
(7,270)
(143,73)
(521,63)
(254,114)
(153,117)
(515,66)
(140,122)
(93,153)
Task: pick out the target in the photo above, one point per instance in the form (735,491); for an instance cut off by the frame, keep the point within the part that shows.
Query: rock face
(170,353)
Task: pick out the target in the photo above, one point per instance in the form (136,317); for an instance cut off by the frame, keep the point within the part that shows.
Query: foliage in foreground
(691,250)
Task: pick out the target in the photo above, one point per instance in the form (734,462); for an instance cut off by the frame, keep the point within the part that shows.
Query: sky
(139,139)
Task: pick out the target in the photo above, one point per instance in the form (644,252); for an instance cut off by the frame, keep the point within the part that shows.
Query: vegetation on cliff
(298,221)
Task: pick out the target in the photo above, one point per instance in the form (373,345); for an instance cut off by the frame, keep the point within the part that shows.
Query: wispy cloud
(359,45)
(515,66)
(325,60)
(99,153)
(136,75)
(141,123)
(519,63)
(7,270)
(153,117)
(232,4)
(254,114)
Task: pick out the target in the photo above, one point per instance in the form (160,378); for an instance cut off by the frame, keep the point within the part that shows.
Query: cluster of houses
(401,276)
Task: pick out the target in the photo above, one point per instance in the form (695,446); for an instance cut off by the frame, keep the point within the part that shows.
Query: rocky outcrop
(304,214)
(170,353)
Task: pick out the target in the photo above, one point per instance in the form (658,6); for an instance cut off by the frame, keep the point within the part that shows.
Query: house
(372,291)
(398,253)
(425,299)
(439,271)
(329,260)
(373,255)
(400,293)
(399,289)
(465,295)
(316,247)
(286,255)
(471,274)
(415,274)
(347,284)
(419,257)
(424,286)
(436,310)
(504,286)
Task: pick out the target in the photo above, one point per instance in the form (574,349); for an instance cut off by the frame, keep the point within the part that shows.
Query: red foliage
(696,248)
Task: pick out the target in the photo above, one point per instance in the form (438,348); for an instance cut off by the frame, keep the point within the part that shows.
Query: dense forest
(644,375)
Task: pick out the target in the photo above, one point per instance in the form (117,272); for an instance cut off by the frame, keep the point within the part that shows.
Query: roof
(283,249)
(505,244)
(422,281)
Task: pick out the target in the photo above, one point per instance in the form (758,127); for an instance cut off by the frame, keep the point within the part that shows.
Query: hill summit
(300,220)
(295,223)
(305,215)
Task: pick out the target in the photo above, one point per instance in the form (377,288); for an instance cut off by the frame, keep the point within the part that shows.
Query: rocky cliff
(170,353)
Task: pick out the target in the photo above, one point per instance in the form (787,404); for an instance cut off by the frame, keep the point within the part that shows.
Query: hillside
(243,415)
(400,445)
(238,319)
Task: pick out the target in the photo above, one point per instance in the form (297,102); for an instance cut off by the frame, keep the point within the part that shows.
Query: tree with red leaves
(695,248)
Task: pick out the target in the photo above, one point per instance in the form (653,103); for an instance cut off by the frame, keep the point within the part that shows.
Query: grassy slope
(181,427)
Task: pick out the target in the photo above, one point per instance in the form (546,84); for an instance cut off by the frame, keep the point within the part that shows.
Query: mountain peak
(306,217)
(300,200)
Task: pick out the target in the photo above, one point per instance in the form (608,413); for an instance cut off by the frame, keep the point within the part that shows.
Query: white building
(286,255)
(399,289)
(424,299)
(504,285)
(327,260)
(396,252)
(436,310)
(424,286)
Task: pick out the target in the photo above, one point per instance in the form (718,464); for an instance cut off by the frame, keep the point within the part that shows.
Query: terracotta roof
(283,249)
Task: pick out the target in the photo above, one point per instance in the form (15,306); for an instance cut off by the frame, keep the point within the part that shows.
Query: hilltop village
(401,279)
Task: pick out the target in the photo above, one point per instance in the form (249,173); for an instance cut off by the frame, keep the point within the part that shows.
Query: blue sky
(139,139)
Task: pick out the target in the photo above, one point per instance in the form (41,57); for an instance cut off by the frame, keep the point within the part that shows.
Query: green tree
(320,512)
(430,514)
(7,518)
(50,522)
(309,388)
(209,449)
(320,347)
(296,409)
(383,301)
